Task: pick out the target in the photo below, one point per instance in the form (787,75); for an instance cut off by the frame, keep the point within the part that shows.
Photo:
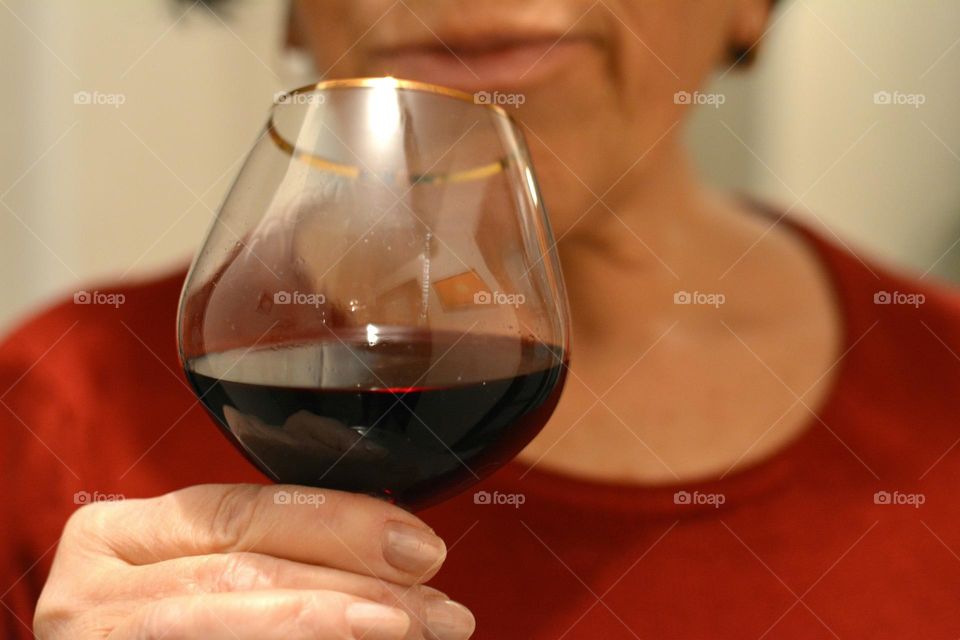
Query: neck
(644,241)
(660,391)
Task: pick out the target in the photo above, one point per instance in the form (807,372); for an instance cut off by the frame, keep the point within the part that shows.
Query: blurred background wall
(126,121)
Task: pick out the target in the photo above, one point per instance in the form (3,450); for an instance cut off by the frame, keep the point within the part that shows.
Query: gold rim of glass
(355,171)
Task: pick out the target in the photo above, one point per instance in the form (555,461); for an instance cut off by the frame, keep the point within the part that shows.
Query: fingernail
(412,549)
(448,620)
(430,592)
(371,621)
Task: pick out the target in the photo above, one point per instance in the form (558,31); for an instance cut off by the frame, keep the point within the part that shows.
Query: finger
(427,608)
(264,615)
(345,531)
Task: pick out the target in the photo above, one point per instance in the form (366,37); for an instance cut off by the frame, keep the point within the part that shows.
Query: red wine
(411,416)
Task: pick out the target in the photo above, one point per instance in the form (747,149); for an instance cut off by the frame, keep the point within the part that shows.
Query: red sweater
(803,546)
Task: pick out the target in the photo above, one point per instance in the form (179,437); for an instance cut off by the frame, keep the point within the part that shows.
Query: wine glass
(378,306)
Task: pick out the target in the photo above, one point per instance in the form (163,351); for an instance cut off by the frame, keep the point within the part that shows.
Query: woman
(779,463)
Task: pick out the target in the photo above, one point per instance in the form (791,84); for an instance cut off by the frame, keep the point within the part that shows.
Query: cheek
(658,49)
(336,31)
(665,46)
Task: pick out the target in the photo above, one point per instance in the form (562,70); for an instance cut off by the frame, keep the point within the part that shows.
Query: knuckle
(302,616)
(91,531)
(301,612)
(336,509)
(89,519)
(380,591)
(342,509)
(52,617)
(63,616)
(74,577)
(239,572)
(162,620)
(233,515)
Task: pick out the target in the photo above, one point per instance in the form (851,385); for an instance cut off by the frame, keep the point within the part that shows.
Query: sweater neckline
(717,494)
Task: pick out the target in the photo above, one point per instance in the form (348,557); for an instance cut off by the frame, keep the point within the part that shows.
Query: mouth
(507,63)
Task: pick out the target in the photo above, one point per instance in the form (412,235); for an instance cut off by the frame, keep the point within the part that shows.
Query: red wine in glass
(386,417)
(378,305)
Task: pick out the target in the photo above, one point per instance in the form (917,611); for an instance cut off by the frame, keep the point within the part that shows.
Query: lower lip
(513,67)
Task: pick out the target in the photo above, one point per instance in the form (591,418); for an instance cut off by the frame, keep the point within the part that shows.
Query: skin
(716,390)
(719,390)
